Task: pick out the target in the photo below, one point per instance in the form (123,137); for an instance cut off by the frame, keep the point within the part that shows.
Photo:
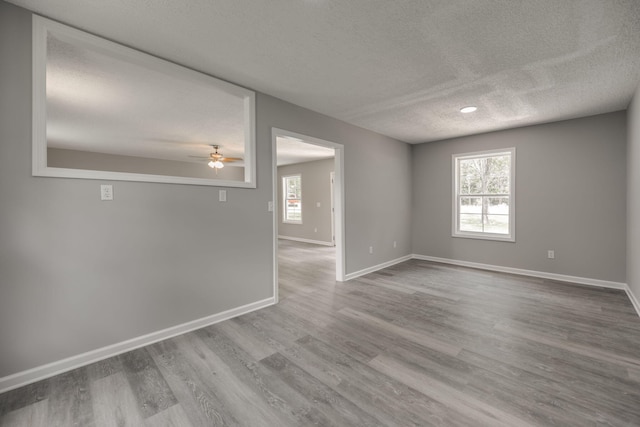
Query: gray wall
(316,188)
(74,159)
(78,274)
(633,196)
(570,197)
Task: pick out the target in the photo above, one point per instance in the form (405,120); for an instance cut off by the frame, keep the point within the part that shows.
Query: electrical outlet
(315,230)
(370,249)
(270,206)
(106,192)
(222,195)
(551,254)
(395,244)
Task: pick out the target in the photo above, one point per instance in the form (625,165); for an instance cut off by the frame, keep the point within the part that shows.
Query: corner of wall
(633,198)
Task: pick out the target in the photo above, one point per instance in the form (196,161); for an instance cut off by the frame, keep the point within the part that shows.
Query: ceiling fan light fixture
(211,164)
(217,164)
(468,109)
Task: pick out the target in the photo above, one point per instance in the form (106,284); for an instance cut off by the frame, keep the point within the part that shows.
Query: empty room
(320,212)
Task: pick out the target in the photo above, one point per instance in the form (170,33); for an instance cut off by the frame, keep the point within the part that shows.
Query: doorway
(336,201)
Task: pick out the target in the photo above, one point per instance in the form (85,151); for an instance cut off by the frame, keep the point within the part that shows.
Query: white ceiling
(293,150)
(101,103)
(401,68)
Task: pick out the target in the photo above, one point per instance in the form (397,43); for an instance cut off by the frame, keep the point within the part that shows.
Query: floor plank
(289,403)
(457,400)
(202,405)
(147,383)
(330,403)
(173,416)
(114,404)
(34,415)
(70,400)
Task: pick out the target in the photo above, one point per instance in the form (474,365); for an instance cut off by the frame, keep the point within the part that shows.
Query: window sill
(493,237)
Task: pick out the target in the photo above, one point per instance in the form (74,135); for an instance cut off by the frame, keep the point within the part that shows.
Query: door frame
(338,199)
(332,176)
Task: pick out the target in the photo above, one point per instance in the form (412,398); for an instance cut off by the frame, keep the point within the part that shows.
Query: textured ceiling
(401,68)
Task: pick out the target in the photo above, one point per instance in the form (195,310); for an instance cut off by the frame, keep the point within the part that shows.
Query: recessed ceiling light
(469,109)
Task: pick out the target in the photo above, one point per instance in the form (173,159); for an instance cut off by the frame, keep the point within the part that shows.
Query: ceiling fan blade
(199,157)
(231,159)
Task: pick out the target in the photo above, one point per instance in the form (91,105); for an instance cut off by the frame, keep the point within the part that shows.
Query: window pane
(485,175)
(471,205)
(294,210)
(498,185)
(498,166)
(292,184)
(470,176)
(497,205)
(498,224)
(293,198)
(471,222)
(470,184)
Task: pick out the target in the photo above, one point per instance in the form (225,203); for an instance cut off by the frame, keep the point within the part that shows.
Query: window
(484,195)
(292,191)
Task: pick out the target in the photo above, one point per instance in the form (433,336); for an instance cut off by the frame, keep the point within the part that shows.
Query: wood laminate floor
(417,344)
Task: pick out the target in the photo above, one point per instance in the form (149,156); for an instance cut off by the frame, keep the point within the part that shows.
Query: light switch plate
(222,195)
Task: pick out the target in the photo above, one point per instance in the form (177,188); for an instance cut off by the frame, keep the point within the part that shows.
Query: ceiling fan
(216,159)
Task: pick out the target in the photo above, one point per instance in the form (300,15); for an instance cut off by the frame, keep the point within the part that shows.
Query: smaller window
(292,196)
(483,195)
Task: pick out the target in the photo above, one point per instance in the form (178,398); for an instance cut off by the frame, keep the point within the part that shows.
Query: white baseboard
(541,274)
(377,267)
(531,273)
(300,239)
(522,272)
(45,371)
(634,300)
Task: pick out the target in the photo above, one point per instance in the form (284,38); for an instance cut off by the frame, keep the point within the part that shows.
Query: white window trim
(284,199)
(455,223)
